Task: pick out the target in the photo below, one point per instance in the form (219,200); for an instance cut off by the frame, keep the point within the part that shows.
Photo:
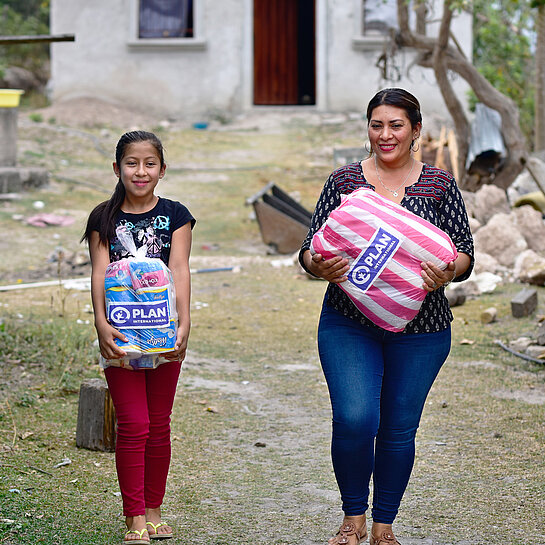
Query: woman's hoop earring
(367,147)
(412,145)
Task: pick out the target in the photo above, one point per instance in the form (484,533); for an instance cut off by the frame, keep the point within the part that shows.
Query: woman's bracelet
(447,283)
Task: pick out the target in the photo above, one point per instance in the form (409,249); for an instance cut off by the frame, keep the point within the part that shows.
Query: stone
(485,263)
(474,224)
(536,351)
(486,281)
(489,200)
(501,239)
(524,303)
(520,344)
(455,296)
(14,179)
(530,268)
(540,337)
(531,226)
(523,184)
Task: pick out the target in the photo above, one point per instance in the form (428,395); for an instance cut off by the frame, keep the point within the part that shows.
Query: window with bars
(165,19)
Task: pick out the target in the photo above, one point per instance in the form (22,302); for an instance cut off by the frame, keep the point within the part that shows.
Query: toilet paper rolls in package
(141,304)
(384,244)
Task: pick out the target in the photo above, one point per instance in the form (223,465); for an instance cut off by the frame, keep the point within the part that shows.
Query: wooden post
(96,417)
(453,152)
(439,158)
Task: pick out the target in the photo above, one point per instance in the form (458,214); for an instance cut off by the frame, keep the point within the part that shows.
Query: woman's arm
(328,200)
(100,259)
(179,266)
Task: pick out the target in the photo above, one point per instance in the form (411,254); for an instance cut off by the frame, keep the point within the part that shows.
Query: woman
(378,380)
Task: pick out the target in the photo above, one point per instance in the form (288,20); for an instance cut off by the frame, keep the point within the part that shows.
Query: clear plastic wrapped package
(140,303)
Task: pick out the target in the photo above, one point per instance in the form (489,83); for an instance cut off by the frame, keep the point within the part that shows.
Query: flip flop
(138,541)
(155,535)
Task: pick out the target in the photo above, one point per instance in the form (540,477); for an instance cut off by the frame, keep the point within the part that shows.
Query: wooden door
(284,38)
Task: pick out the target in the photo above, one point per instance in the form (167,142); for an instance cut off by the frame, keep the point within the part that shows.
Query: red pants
(143,404)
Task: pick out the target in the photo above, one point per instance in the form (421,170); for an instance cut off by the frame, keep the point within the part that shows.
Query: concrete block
(524,303)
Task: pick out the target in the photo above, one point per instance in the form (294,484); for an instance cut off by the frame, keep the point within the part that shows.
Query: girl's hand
(106,335)
(180,347)
(333,270)
(434,278)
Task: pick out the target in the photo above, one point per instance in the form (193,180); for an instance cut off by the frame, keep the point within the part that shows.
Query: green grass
(252,376)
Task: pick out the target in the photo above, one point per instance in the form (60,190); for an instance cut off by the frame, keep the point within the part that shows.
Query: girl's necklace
(394,192)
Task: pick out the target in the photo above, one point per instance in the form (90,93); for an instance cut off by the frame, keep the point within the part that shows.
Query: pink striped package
(384,244)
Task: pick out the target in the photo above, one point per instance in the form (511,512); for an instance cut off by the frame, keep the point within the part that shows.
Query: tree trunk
(454,60)
(451,100)
(539,127)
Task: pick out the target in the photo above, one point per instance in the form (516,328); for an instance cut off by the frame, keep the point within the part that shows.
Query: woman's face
(390,133)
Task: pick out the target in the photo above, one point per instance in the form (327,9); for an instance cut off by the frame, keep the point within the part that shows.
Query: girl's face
(140,169)
(390,133)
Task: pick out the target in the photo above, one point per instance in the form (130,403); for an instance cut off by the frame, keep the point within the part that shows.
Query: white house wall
(352,77)
(217,74)
(178,80)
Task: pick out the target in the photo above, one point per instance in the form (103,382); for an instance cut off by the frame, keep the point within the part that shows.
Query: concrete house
(188,58)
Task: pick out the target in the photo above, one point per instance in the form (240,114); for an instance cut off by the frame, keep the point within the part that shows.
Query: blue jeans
(378,383)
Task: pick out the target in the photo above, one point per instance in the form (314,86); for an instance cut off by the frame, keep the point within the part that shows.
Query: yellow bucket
(9,98)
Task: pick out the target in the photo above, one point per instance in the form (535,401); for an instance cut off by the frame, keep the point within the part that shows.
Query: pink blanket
(384,244)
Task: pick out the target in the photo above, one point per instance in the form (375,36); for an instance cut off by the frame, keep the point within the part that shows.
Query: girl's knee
(133,429)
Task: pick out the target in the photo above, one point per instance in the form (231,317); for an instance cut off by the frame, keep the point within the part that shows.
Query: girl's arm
(100,259)
(178,264)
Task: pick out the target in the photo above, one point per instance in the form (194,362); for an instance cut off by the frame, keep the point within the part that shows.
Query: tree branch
(451,100)
(453,59)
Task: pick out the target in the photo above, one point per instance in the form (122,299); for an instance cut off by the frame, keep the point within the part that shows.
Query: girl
(143,399)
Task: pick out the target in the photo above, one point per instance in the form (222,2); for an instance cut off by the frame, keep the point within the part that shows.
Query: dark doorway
(284,52)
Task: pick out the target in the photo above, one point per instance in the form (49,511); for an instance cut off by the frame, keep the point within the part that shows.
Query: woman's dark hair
(103,215)
(400,98)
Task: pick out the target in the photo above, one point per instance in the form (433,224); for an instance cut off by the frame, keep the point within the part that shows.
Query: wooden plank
(439,159)
(10,40)
(453,152)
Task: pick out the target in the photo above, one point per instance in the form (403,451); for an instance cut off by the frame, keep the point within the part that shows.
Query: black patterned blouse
(434,197)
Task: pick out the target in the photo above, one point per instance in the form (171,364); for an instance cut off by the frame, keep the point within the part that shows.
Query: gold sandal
(348,529)
(155,534)
(138,541)
(387,538)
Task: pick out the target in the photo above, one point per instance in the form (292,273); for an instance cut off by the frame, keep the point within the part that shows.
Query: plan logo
(139,314)
(373,259)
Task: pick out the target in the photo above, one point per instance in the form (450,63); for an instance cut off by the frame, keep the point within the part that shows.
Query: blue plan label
(373,259)
(139,314)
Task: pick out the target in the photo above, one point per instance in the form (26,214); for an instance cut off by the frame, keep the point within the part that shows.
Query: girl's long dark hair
(102,218)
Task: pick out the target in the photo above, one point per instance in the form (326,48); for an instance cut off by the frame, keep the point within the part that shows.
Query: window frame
(195,42)
(362,41)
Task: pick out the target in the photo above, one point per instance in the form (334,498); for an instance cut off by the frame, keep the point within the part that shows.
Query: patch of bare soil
(87,112)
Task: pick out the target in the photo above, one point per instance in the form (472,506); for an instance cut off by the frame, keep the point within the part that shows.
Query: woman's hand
(435,278)
(333,270)
(106,341)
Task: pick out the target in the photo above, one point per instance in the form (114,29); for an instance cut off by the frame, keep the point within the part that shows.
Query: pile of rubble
(509,239)
(509,247)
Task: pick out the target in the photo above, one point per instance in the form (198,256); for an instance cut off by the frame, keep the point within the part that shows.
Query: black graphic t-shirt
(153,228)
